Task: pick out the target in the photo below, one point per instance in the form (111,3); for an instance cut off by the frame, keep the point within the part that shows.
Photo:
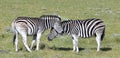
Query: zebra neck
(48,25)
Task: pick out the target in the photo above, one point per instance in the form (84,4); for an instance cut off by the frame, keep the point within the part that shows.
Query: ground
(61,47)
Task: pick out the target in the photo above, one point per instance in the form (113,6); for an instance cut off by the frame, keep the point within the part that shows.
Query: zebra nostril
(49,39)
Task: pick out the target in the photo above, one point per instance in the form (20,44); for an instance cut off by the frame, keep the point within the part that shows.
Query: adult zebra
(82,28)
(34,26)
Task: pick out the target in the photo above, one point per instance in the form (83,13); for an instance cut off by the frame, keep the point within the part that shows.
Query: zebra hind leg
(98,40)
(24,39)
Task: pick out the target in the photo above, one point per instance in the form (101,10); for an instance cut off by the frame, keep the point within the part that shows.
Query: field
(61,47)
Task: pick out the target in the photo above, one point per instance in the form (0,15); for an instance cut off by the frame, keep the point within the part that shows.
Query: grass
(61,47)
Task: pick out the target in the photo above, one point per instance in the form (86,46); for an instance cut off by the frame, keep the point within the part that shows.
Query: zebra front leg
(38,40)
(33,40)
(24,36)
(75,43)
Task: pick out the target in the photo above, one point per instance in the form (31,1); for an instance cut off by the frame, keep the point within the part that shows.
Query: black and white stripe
(82,28)
(34,26)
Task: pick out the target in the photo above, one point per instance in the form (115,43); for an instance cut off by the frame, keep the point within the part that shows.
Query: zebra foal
(34,26)
(82,28)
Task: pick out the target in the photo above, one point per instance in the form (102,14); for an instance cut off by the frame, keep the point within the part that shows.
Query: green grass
(61,47)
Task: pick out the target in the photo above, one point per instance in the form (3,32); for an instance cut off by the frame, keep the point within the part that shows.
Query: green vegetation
(61,47)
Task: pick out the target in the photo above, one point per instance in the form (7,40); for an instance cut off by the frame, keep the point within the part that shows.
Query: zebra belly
(85,35)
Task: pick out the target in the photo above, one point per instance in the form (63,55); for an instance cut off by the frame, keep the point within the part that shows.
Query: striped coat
(82,28)
(34,26)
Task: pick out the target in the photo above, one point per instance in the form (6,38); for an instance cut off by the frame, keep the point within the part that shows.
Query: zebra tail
(103,34)
(14,38)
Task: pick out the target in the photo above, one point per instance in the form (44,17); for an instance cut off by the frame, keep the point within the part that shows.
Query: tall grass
(61,47)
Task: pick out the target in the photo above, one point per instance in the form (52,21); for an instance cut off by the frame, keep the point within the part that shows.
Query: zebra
(34,26)
(81,28)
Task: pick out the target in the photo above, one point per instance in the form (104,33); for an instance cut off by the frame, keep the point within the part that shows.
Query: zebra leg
(24,39)
(33,40)
(98,39)
(75,43)
(16,41)
(38,40)
(23,33)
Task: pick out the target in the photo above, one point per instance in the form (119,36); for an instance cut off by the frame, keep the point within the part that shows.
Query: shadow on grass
(20,49)
(41,47)
(103,49)
(65,49)
(106,49)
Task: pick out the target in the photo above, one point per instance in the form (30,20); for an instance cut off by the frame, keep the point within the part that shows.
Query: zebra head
(52,21)
(53,34)
(57,27)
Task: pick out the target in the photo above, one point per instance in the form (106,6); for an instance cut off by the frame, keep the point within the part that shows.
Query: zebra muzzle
(49,39)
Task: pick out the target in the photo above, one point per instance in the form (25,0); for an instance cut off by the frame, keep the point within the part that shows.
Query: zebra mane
(69,20)
(56,16)
(25,18)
